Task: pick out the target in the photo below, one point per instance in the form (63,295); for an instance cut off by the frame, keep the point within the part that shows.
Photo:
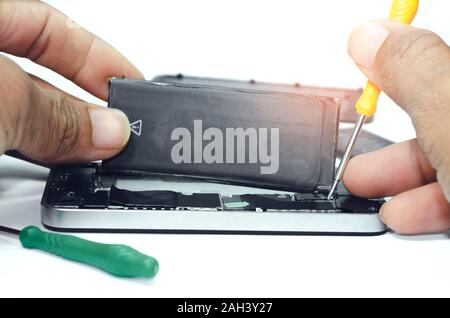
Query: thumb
(65,130)
(47,125)
(412,66)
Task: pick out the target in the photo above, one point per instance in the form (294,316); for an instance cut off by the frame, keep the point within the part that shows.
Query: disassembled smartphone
(213,159)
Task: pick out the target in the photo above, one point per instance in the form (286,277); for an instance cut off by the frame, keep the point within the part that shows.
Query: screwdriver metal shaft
(347,154)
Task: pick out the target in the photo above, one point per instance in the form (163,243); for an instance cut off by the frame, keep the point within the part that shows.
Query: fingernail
(365,42)
(110,128)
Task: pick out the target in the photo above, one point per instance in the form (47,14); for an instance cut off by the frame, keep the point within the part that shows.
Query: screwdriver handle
(367,102)
(118,260)
(402,11)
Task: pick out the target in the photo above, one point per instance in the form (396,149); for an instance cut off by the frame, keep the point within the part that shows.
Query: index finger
(389,171)
(37,31)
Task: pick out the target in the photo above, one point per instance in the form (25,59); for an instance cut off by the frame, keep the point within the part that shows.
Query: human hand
(40,121)
(412,66)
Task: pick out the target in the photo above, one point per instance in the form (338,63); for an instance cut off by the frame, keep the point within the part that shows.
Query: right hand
(412,66)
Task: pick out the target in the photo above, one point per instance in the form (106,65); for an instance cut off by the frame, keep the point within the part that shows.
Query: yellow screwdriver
(402,11)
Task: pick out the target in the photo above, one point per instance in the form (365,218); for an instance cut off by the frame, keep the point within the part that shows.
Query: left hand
(37,119)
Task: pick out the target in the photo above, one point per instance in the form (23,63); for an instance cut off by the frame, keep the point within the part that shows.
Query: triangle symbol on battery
(136,127)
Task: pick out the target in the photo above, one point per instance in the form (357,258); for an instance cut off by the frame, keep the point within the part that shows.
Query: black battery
(270,139)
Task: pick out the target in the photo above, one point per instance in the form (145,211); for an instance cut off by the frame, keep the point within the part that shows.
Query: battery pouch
(258,138)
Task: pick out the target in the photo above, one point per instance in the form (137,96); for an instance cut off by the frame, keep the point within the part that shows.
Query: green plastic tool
(118,260)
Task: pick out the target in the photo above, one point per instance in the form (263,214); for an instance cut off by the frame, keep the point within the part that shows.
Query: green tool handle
(118,260)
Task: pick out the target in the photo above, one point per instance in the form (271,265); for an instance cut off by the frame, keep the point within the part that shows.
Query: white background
(276,41)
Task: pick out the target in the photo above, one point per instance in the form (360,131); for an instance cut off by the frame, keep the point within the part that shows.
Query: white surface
(281,41)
